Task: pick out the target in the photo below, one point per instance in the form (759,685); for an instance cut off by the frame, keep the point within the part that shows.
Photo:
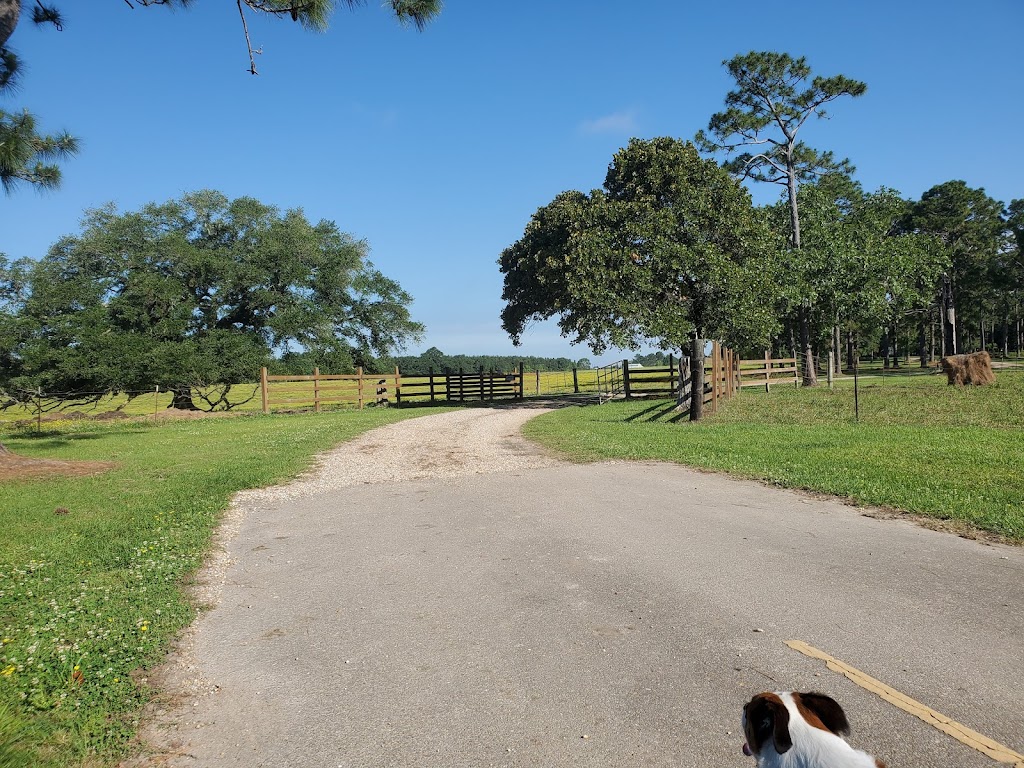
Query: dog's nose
(746,750)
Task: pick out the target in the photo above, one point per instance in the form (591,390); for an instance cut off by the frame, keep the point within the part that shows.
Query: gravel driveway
(444,447)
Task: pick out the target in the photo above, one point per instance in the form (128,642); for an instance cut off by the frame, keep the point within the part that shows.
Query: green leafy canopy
(191,292)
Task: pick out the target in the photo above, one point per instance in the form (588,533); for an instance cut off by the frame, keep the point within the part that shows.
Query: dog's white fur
(813,747)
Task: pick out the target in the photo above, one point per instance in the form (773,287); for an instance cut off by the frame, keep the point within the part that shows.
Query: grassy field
(92,568)
(947,453)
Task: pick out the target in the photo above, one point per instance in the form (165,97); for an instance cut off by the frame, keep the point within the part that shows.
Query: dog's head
(766,719)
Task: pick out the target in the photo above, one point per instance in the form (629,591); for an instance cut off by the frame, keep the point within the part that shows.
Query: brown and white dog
(800,730)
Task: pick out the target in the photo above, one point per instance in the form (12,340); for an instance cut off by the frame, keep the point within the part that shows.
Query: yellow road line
(959,732)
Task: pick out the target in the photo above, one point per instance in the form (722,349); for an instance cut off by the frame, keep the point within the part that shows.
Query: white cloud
(617,122)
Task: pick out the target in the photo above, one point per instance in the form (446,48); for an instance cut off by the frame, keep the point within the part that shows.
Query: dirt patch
(14,467)
(178,414)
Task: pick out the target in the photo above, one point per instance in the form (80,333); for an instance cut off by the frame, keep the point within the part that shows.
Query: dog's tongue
(746,750)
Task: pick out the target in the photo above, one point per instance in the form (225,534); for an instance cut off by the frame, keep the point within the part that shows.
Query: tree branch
(248,42)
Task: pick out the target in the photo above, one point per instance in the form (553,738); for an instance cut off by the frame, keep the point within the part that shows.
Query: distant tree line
(435,359)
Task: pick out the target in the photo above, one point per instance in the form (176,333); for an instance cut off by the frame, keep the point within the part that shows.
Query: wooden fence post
(625,379)
(398,388)
(431,381)
(714,376)
(575,382)
(728,374)
(156,400)
(697,377)
(538,381)
(685,384)
(316,389)
(767,371)
(263,390)
(359,386)
(522,380)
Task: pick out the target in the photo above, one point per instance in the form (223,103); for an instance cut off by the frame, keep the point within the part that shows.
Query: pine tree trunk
(949,334)
(810,374)
(9,12)
(837,348)
(849,348)
(922,342)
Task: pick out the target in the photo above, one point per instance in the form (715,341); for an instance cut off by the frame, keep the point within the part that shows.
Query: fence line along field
(300,395)
(303,395)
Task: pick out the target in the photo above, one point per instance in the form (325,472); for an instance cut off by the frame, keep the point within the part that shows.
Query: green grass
(922,447)
(89,597)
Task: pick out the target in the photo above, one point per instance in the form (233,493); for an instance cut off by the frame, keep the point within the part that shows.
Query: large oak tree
(190,293)
(670,248)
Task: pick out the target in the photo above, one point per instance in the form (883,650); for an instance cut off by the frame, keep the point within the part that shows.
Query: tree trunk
(949,340)
(9,12)
(849,349)
(922,342)
(794,212)
(810,374)
(895,337)
(182,399)
(697,377)
(837,347)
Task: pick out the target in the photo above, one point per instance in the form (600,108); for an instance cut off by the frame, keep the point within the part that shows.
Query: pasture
(951,455)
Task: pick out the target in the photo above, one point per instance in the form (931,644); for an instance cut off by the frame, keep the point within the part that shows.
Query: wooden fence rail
(723,375)
(767,371)
(360,388)
(320,389)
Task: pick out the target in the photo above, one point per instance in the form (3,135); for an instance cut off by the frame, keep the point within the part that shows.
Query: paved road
(600,615)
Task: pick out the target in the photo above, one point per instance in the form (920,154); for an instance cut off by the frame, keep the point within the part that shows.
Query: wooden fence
(767,371)
(361,389)
(460,387)
(721,375)
(724,374)
(719,379)
(320,389)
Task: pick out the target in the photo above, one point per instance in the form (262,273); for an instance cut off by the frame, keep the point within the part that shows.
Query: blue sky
(436,147)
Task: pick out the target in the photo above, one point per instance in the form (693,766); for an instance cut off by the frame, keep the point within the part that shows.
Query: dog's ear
(767,717)
(828,711)
(783,743)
